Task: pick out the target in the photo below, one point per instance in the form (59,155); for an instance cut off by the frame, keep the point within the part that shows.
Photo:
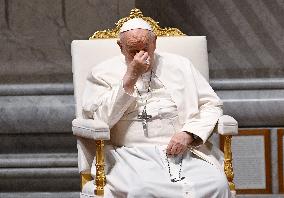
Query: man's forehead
(136,38)
(136,46)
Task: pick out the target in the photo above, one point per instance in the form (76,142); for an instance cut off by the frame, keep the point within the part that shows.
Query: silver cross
(144,117)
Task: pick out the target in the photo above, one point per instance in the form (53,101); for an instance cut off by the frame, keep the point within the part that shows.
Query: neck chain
(144,117)
(148,89)
(179,172)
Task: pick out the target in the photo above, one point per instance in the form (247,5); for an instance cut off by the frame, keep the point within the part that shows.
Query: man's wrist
(128,83)
(192,135)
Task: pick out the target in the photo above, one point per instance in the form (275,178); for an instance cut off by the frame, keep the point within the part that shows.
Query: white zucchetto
(135,23)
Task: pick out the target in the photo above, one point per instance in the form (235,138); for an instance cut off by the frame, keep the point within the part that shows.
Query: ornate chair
(91,134)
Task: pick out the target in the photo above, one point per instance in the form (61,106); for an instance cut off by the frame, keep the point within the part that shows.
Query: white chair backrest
(87,53)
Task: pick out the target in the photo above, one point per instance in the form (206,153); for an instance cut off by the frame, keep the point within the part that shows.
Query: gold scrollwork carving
(228,166)
(100,172)
(136,13)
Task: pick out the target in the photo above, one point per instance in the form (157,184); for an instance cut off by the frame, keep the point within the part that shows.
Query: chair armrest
(91,129)
(227,125)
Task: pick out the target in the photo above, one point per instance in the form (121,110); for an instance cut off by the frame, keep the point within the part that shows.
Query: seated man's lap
(140,171)
(205,178)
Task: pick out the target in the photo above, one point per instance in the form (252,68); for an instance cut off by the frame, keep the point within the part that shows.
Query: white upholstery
(86,154)
(227,125)
(91,129)
(85,55)
(192,47)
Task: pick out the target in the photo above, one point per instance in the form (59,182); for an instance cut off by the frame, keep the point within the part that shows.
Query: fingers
(148,60)
(140,54)
(141,57)
(169,148)
(175,148)
(183,149)
(179,150)
(139,65)
(144,57)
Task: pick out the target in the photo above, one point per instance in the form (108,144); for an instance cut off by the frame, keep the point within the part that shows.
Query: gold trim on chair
(136,13)
(228,165)
(100,171)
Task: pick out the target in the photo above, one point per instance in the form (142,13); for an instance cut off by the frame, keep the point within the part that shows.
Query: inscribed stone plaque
(249,162)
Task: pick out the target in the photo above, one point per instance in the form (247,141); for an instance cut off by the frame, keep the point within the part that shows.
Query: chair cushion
(91,129)
(227,125)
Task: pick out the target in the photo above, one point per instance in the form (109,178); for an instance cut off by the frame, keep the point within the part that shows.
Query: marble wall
(35,35)
(245,38)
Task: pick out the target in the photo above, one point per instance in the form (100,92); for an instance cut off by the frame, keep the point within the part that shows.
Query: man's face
(134,41)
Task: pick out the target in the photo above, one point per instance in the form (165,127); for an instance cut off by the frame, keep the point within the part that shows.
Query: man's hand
(179,143)
(135,68)
(139,65)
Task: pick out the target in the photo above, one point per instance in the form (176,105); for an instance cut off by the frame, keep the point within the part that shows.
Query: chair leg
(228,167)
(100,171)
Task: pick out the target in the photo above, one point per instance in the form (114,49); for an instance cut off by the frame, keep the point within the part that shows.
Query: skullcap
(135,23)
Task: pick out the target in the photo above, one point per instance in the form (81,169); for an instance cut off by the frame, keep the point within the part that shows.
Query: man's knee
(141,190)
(221,185)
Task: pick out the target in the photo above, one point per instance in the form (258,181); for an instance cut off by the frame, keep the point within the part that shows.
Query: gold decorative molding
(136,13)
(228,165)
(100,171)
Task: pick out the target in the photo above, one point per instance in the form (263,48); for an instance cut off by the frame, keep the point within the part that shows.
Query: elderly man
(161,112)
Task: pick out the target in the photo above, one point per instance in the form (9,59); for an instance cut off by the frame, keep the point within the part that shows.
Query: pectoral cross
(144,117)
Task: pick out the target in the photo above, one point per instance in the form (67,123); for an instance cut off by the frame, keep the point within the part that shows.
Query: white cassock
(180,100)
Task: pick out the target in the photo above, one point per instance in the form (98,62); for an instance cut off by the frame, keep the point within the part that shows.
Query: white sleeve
(209,105)
(104,101)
